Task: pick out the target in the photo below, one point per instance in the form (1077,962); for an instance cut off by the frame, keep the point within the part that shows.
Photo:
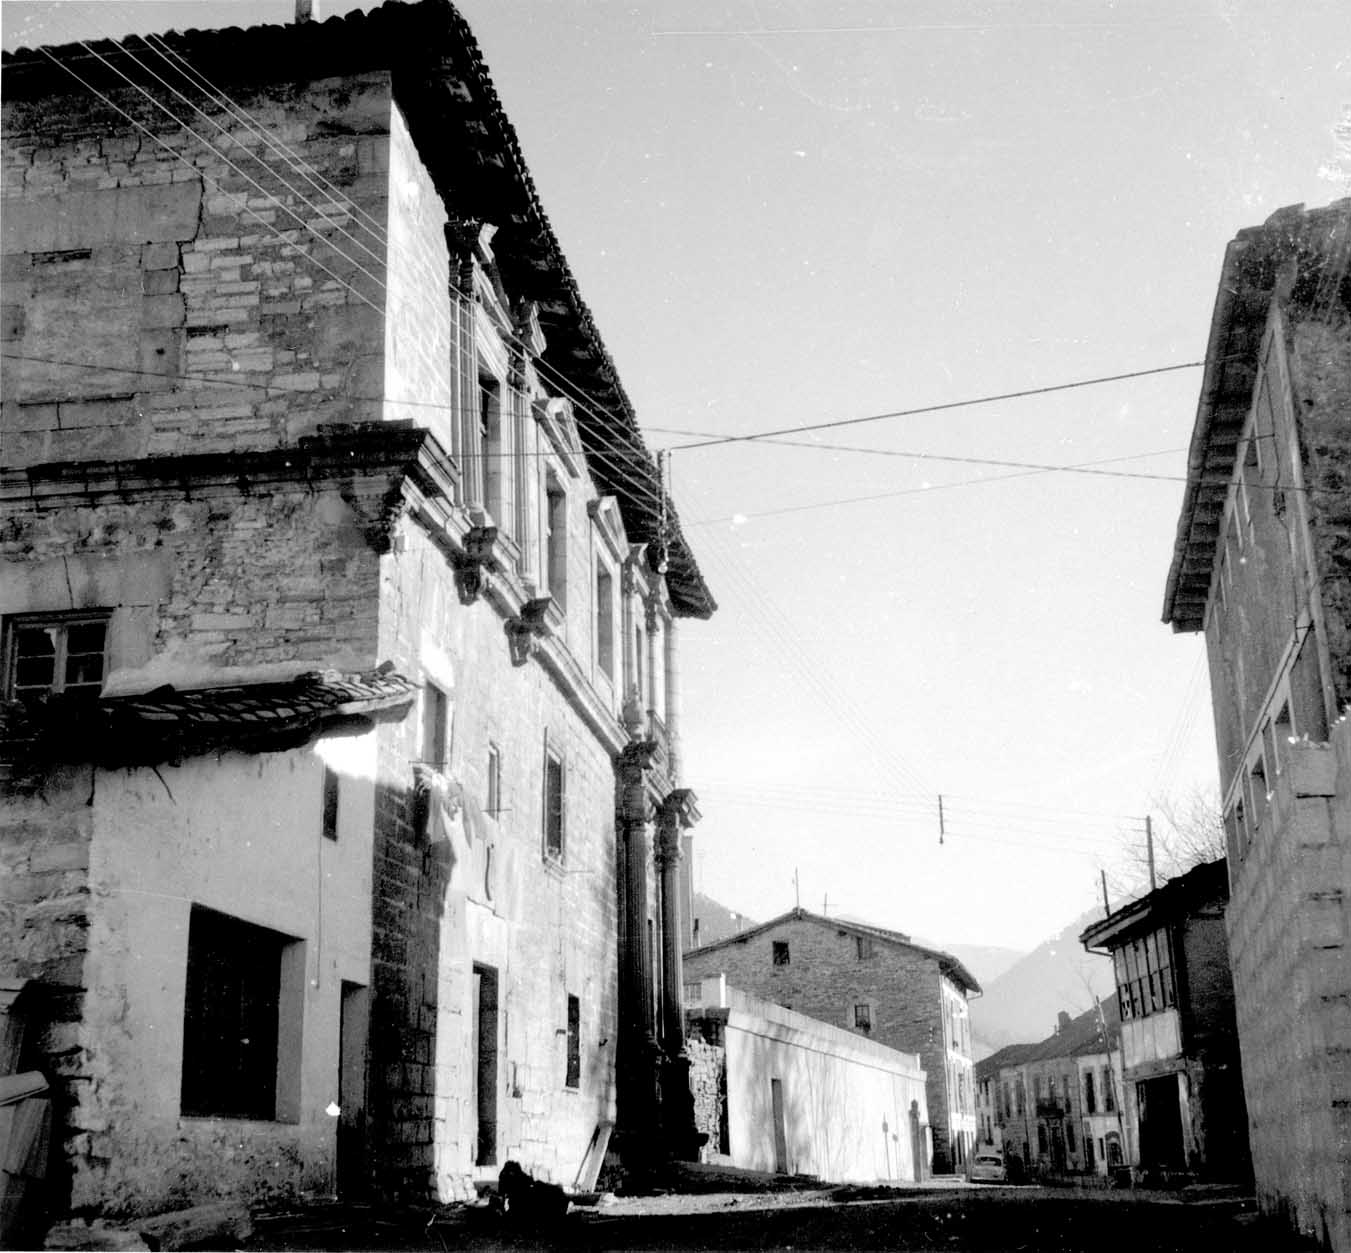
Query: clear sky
(792,213)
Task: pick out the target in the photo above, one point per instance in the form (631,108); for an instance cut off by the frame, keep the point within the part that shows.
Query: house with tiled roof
(1260,566)
(341,810)
(1059,1106)
(872,981)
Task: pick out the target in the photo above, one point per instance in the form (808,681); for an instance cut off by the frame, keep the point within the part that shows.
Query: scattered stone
(80,1236)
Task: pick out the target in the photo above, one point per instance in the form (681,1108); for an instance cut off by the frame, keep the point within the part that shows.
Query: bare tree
(1191,832)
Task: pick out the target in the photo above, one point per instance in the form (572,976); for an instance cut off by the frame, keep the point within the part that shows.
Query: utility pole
(797,890)
(1106,908)
(1149,849)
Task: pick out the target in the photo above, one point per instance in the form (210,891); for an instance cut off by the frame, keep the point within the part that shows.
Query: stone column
(675,815)
(637,1054)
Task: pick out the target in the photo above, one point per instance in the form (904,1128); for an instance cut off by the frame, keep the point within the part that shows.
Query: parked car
(987,1167)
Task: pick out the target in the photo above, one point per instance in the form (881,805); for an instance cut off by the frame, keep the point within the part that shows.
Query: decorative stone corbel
(525,628)
(678,811)
(473,565)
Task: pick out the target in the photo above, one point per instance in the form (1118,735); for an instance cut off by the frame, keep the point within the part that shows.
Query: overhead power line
(938,408)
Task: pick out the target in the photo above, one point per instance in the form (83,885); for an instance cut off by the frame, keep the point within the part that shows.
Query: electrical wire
(936,408)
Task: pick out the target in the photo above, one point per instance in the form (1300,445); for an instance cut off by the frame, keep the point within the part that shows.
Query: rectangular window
(231,1017)
(435,708)
(863,1016)
(864,947)
(495,476)
(1090,1096)
(573,1078)
(553,806)
(1306,691)
(330,824)
(556,541)
(605,620)
(493,799)
(48,654)
(780,952)
(1257,791)
(1108,1091)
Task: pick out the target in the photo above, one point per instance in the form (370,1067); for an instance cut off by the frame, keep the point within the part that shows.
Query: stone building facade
(1261,567)
(339,598)
(874,982)
(1179,1041)
(1059,1106)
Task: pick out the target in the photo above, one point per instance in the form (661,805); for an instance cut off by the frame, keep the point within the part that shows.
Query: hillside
(1022,1003)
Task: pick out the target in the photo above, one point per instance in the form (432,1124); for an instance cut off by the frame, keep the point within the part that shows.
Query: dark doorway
(1160,1124)
(780,1127)
(485,1069)
(354,1016)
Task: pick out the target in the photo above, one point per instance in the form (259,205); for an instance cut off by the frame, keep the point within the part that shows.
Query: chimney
(1062,1022)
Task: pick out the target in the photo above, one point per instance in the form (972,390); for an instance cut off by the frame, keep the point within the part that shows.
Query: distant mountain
(1021,1004)
(712,921)
(985,961)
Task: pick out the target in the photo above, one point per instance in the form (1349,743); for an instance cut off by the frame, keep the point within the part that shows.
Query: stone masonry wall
(825,978)
(201,581)
(1320,368)
(546,930)
(158,301)
(1289,923)
(708,1084)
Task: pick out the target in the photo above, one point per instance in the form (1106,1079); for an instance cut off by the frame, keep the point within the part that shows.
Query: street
(953,1216)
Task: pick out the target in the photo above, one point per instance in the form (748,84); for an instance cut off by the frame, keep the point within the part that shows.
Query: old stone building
(1179,1043)
(872,981)
(339,598)
(1261,567)
(1059,1106)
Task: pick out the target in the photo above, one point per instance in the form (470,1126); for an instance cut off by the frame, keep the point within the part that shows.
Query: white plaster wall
(847,1115)
(240,834)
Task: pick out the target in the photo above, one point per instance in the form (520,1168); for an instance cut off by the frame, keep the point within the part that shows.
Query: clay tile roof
(474,157)
(948,964)
(168,725)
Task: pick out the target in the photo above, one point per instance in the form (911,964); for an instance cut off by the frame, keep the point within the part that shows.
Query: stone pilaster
(681,1138)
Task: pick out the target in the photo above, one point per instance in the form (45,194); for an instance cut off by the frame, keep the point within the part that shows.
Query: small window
(780,952)
(573,1078)
(556,541)
(330,823)
(231,1010)
(435,708)
(553,806)
(492,479)
(605,620)
(49,654)
(863,1016)
(493,798)
(864,947)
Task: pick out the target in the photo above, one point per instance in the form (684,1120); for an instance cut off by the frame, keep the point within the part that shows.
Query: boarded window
(864,947)
(230,1018)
